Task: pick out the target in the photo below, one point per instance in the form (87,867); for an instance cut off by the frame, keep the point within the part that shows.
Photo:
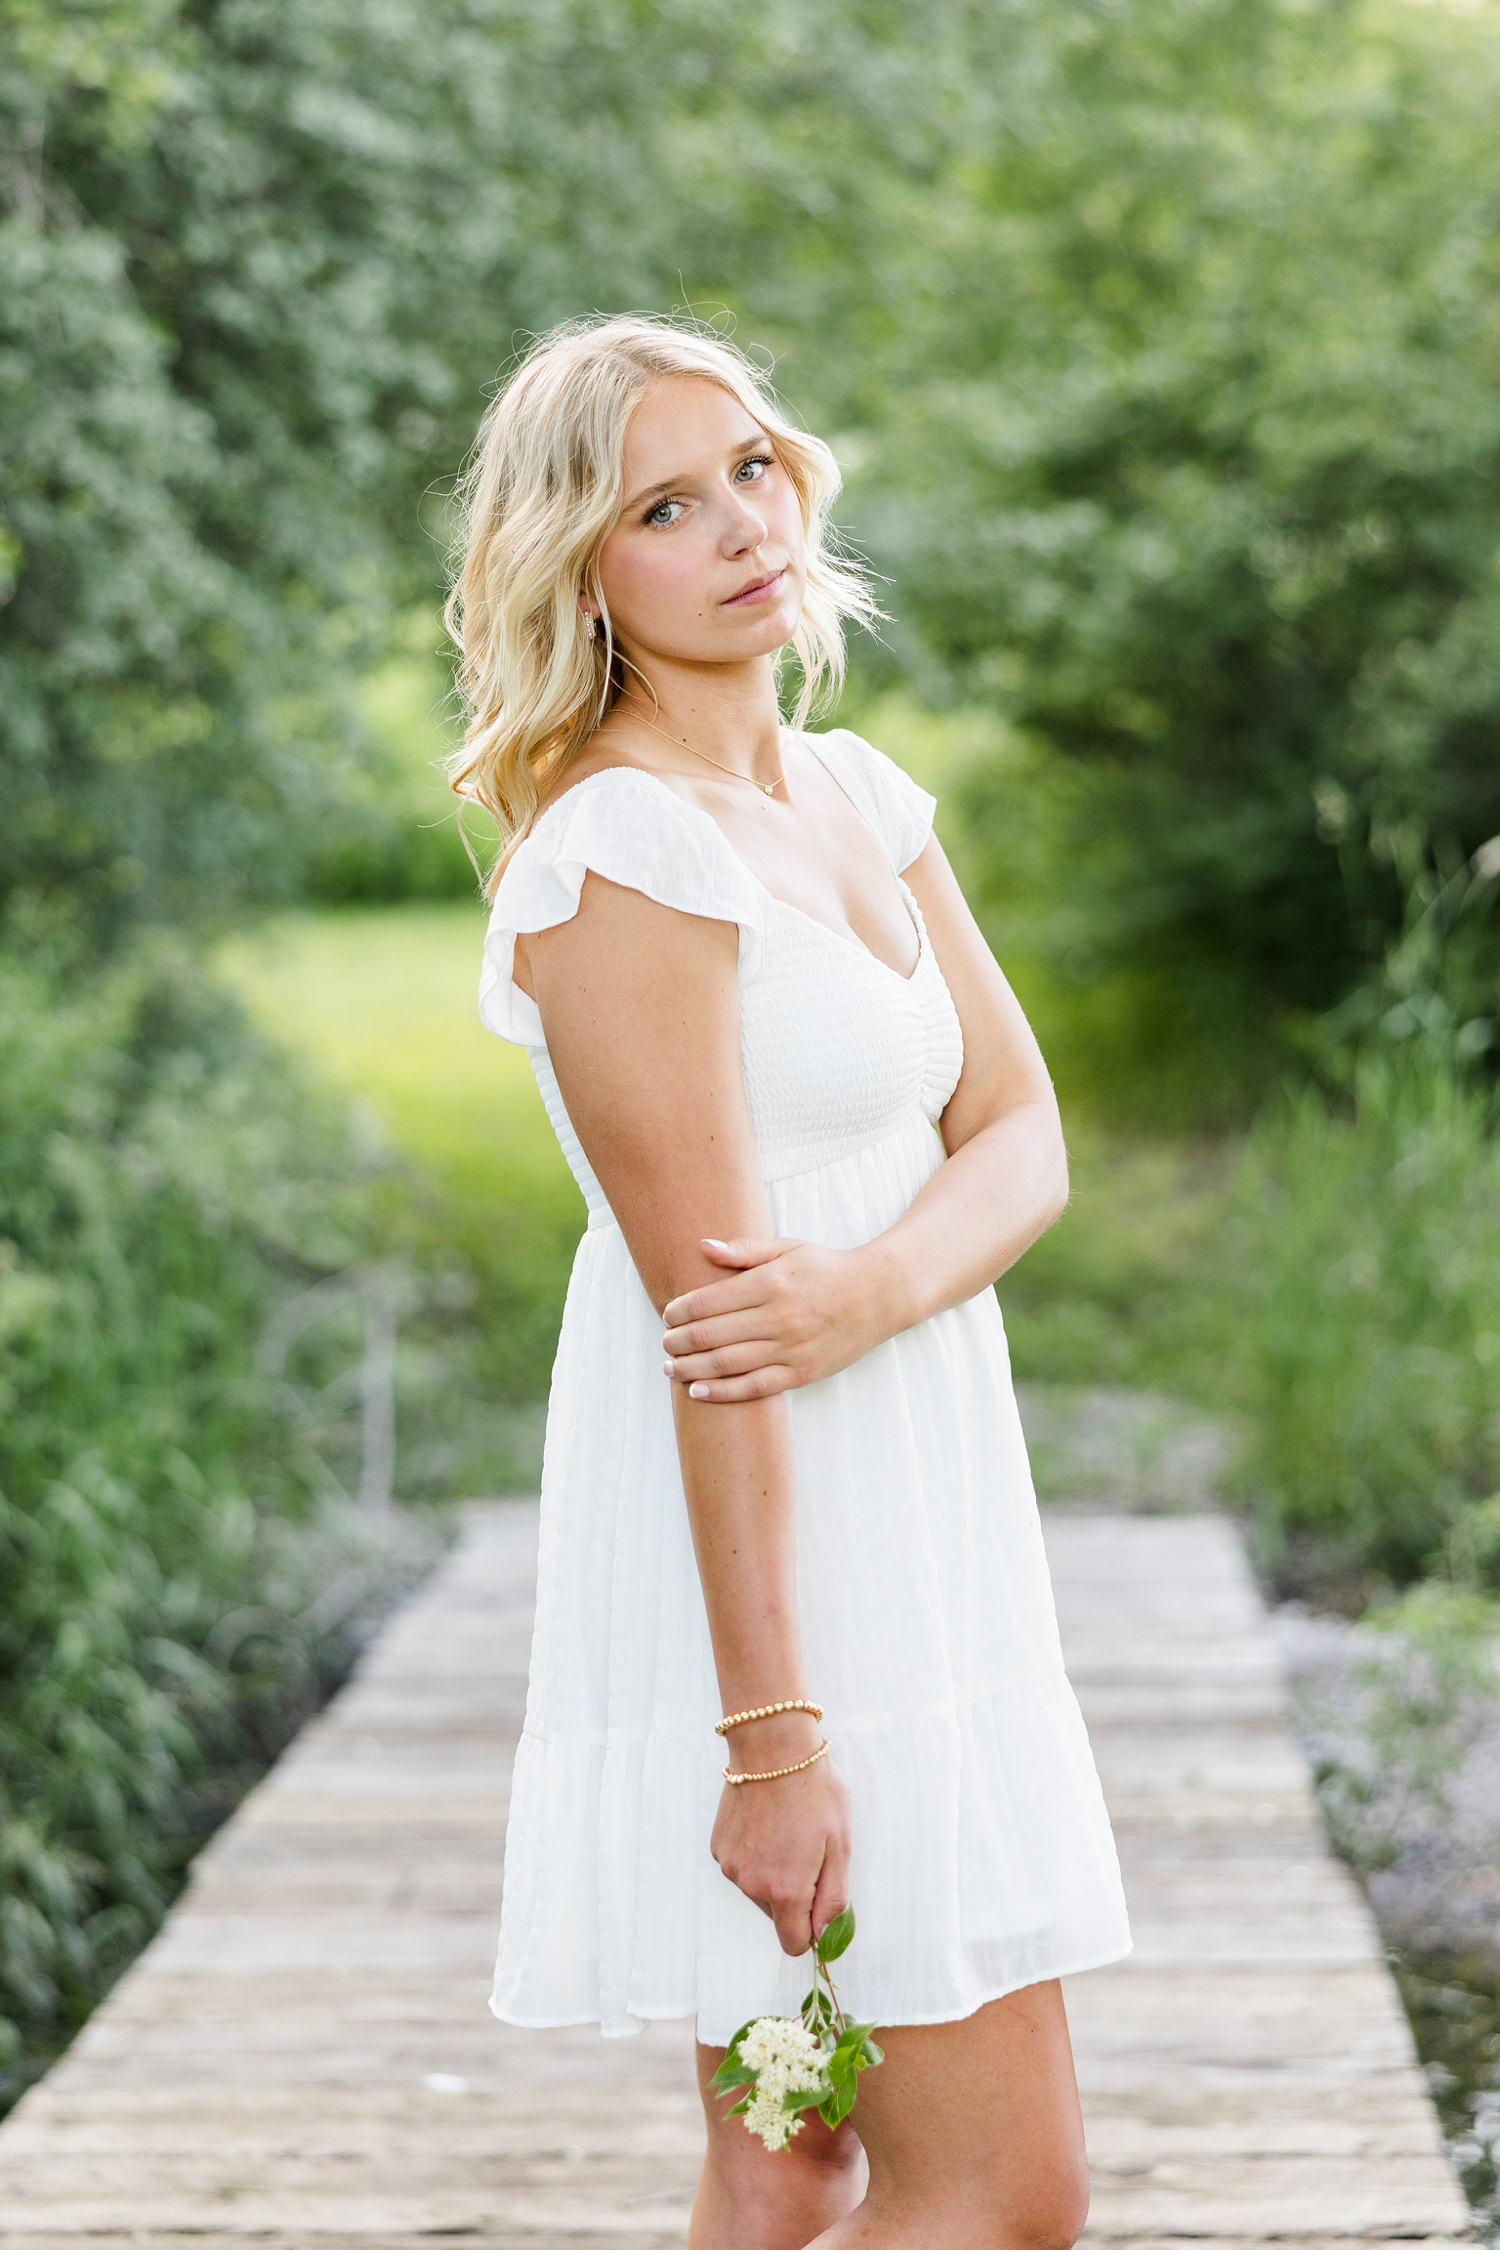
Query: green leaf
(733,2070)
(837,2107)
(835,1939)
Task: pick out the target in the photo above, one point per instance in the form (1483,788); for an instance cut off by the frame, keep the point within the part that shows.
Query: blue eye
(758,461)
(659,514)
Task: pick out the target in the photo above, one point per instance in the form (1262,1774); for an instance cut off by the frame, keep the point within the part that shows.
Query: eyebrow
(670,484)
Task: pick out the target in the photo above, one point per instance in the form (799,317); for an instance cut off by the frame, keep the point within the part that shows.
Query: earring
(590,623)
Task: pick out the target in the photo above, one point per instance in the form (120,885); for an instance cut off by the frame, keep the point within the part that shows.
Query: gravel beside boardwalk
(304,2056)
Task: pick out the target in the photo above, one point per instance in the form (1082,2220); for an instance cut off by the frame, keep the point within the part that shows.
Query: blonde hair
(541,495)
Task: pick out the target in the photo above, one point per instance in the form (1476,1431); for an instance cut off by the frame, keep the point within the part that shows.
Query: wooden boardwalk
(304,2058)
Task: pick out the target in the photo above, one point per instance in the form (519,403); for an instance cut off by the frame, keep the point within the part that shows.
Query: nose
(745,525)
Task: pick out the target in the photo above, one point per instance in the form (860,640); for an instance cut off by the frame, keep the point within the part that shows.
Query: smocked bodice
(840,1052)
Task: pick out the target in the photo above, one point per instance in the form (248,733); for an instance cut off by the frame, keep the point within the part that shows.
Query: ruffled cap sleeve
(897,809)
(634,831)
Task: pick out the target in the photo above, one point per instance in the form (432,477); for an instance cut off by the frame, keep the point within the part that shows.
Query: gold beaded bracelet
(767,1711)
(735,1780)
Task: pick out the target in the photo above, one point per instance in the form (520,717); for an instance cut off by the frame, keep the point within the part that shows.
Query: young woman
(783,1461)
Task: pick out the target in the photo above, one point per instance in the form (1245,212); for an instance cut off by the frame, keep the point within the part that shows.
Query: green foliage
(398,836)
(1183,455)
(1158,340)
(1368,1225)
(145,634)
(258,262)
(1135,1045)
(182,1579)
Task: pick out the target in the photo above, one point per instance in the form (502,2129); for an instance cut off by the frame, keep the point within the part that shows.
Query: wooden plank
(304,2058)
(1247,2074)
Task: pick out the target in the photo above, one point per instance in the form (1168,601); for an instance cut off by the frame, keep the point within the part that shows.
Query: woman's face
(707,563)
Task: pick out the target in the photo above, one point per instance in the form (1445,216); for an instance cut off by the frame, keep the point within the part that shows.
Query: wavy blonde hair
(540,497)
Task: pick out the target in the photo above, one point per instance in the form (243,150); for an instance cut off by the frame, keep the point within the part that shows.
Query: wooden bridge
(304,2058)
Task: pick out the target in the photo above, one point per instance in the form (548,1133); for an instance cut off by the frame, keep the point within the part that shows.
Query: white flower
(777,2041)
(786,2058)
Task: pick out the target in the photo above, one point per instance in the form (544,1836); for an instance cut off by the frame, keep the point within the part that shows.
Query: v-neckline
(845,938)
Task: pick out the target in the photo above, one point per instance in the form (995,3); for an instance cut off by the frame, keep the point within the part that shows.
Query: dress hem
(642,2017)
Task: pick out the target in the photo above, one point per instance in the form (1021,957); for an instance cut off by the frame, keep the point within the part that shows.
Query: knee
(812,2161)
(1052,2215)
(1046,2211)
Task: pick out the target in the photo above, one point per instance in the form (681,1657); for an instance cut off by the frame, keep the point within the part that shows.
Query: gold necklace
(766,788)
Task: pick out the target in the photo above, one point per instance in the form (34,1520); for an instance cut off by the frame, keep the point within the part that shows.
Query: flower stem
(833,1998)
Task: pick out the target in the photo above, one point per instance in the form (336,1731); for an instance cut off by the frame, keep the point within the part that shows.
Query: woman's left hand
(788,1313)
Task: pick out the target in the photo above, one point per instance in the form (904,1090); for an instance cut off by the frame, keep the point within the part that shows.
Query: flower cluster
(787,2065)
(786,2059)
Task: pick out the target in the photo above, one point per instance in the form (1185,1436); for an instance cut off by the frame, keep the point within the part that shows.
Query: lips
(757,586)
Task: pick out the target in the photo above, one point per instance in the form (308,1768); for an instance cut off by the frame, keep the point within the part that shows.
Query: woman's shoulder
(632,828)
(897,808)
(583,795)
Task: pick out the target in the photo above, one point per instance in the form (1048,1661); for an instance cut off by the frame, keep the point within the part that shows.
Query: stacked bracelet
(767,1711)
(735,1780)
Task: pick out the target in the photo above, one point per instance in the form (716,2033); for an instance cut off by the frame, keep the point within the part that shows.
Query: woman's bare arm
(641,1010)
(794,1312)
(1007,1175)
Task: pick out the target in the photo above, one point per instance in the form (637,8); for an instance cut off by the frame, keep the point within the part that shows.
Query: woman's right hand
(786,1843)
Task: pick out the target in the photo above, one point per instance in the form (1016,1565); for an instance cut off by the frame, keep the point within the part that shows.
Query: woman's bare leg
(972,2133)
(749,2199)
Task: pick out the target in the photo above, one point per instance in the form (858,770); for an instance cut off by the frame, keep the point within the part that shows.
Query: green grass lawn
(381,1000)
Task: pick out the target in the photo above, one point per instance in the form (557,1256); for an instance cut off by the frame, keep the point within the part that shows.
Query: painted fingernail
(712,1242)
(666,1367)
(697,1390)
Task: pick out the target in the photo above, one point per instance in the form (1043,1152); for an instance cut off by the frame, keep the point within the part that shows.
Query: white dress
(983,1859)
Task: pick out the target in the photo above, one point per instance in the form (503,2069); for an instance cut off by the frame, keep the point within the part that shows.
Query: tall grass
(1367,1318)
(1366,1251)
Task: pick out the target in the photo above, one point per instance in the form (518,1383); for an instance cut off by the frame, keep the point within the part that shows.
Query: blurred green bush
(1158,341)
(183,1576)
(1182,455)
(258,264)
